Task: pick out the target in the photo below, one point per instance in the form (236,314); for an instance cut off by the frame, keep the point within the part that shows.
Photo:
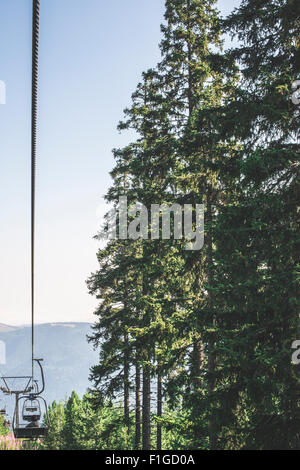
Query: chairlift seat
(30,433)
(31,419)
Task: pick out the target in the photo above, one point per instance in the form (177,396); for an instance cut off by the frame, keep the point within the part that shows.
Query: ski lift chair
(29,426)
(31,410)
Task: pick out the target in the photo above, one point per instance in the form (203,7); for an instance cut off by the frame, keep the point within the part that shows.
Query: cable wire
(34,104)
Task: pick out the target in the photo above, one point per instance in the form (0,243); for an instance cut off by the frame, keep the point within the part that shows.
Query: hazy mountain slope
(66,353)
(7,328)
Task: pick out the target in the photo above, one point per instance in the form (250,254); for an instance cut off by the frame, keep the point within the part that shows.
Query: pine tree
(54,439)
(74,430)
(261,246)
(199,80)
(115,286)
(213,327)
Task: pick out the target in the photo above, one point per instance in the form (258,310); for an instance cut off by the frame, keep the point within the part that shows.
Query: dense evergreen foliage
(3,429)
(78,424)
(206,335)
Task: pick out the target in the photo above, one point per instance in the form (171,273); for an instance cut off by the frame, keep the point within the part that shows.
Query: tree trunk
(190,78)
(126,384)
(211,341)
(146,408)
(159,411)
(198,362)
(138,406)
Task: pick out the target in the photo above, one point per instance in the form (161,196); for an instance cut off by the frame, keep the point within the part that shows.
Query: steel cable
(34,104)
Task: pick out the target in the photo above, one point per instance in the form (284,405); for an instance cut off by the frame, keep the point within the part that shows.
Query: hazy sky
(92,53)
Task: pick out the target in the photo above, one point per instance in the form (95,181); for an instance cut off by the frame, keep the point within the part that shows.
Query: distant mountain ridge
(65,350)
(5,328)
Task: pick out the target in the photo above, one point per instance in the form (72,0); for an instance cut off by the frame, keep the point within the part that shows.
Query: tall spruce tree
(200,81)
(215,326)
(261,291)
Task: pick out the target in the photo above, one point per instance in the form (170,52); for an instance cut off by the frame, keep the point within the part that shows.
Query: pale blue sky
(92,53)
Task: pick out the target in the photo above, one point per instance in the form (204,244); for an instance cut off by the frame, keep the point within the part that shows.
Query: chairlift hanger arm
(9,390)
(42,375)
